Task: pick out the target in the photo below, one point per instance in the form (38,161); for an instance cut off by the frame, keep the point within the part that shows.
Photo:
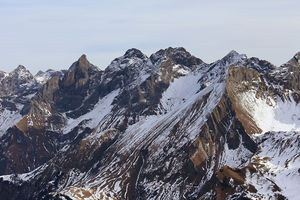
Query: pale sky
(43,34)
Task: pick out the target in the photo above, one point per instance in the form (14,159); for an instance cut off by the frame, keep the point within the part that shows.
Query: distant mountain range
(168,126)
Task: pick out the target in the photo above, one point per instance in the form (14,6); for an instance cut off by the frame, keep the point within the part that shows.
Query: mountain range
(168,126)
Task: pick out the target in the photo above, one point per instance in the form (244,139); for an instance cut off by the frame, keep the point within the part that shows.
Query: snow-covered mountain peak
(134,53)
(16,82)
(21,68)
(233,52)
(261,66)
(177,55)
(177,50)
(133,58)
(234,58)
(21,72)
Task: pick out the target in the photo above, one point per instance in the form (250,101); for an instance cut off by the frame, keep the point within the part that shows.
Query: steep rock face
(58,95)
(40,107)
(262,66)
(239,81)
(177,55)
(17,89)
(73,87)
(295,61)
(43,118)
(293,69)
(288,75)
(22,152)
(189,171)
(77,76)
(272,110)
(158,72)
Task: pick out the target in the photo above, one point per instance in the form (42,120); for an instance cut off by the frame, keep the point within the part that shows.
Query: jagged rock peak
(177,52)
(21,71)
(132,58)
(262,66)
(174,50)
(178,55)
(295,60)
(79,72)
(233,58)
(233,52)
(83,59)
(234,55)
(20,68)
(133,52)
(81,63)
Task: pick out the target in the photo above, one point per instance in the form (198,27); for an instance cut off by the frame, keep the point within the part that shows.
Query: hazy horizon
(54,34)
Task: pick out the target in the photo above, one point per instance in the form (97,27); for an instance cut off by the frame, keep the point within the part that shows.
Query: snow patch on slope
(155,130)
(8,119)
(43,77)
(280,157)
(235,157)
(94,117)
(181,69)
(271,115)
(19,178)
(179,91)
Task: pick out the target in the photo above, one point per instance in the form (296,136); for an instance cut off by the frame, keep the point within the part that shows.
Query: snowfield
(279,157)
(272,115)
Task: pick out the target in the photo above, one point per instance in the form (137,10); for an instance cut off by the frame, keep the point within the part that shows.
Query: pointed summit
(83,60)
(295,61)
(233,58)
(20,68)
(132,57)
(21,72)
(78,73)
(133,52)
(233,53)
(178,55)
(81,63)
